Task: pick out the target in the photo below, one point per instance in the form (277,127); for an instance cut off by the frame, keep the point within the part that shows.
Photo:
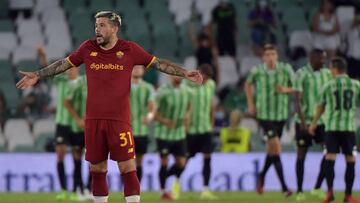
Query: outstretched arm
(31,78)
(171,68)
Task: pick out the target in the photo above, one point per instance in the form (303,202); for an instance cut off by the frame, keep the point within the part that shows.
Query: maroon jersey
(108,75)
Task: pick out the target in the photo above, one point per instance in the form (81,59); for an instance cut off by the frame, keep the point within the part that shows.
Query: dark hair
(269,47)
(339,63)
(317,51)
(206,69)
(114,18)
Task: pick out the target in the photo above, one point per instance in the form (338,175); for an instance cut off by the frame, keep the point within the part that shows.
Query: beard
(102,41)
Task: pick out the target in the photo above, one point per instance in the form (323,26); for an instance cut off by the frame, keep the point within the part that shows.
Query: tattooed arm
(171,68)
(31,78)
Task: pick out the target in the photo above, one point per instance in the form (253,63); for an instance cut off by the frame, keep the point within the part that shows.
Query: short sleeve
(77,57)
(141,57)
(298,81)
(291,75)
(322,96)
(151,93)
(70,91)
(252,75)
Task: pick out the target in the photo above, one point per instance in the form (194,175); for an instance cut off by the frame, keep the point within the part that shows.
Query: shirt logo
(109,66)
(93,53)
(119,54)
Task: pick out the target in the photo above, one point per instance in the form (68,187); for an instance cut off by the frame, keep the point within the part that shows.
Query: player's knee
(350,158)
(127,166)
(100,167)
(330,156)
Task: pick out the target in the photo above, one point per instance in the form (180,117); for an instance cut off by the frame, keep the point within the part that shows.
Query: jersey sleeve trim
(68,59)
(151,62)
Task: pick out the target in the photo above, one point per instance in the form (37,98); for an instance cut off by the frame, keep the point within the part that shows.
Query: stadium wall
(37,172)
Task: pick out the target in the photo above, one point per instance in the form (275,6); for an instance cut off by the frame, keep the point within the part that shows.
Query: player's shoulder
(285,66)
(147,84)
(355,82)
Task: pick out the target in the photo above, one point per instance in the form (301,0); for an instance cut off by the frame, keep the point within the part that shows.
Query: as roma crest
(119,54)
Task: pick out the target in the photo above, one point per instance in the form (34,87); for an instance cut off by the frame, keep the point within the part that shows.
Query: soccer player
(199,139)
(308,82)
(142,113)
(109,62)
(62,120)
(74,102)
(273,81)
(172,118)
(338,99)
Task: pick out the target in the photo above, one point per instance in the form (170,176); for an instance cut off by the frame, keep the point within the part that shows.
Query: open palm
(29,79)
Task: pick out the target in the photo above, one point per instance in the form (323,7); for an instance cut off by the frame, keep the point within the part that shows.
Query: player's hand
(281,89)
(304,127)
(252,110)
(312,129)
(80,123)
(148,118)
(29,79)
(168,123)
(194,76)
(41,50)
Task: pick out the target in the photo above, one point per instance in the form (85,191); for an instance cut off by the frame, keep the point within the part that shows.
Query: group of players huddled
(325,102)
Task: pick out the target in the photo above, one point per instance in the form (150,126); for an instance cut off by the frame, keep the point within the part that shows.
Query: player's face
(318,60)
(138,72)
(334,71)
(270,57)
(103,30)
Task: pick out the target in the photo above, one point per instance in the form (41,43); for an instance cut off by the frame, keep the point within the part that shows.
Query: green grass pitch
(189,197)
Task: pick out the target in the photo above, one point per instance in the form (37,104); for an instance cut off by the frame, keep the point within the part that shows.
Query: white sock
(133,199)
(101,199)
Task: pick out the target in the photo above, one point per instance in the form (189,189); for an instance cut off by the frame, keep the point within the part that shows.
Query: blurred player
(273,81)
(199,139)
(63,129)
(109,62)
(75,101)
(309,80)
(142,113)
(338,99)
(172,117)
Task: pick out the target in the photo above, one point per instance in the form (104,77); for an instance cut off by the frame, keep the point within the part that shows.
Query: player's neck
(110,45)
(135,80)
(270,66)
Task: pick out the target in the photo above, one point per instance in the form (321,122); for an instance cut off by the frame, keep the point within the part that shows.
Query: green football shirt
(172,103)
(271,105)
(140,96)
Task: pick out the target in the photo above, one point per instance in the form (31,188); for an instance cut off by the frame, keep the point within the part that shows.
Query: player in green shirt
(338,99)
(200,138)
(172,118)
(62,120)
(308,82)
(143,110)
(273,83)
(75,103)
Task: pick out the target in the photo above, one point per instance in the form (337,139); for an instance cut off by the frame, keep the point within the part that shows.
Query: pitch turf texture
(224,197)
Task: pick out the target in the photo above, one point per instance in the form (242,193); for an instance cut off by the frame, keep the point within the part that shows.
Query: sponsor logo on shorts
(109,66)
(131,150)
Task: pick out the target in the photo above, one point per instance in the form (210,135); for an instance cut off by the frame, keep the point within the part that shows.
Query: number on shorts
(124,139)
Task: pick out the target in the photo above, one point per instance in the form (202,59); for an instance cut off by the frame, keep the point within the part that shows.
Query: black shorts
(344,141)
(272,128)
(304,139)
(199,143)
(141,143)
(77,140)
(176,148)
(62,135)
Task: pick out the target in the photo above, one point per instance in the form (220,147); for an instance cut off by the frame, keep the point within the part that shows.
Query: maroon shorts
(108,136)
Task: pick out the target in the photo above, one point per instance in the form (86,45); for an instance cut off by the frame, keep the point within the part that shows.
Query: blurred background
(228,33)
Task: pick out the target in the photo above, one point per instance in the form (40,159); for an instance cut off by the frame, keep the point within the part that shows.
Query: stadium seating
(247,63)
(228,72)
(17,132)
(43,126)
(8,42)
(301,39)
